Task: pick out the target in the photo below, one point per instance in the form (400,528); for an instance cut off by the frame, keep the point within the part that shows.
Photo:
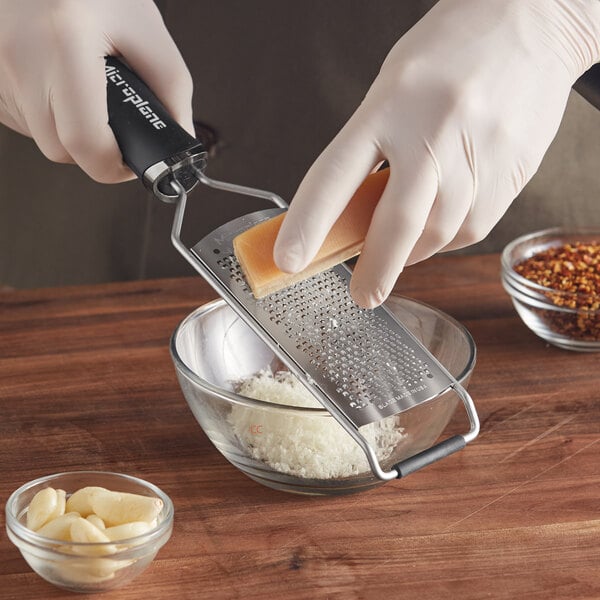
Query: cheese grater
(362,365)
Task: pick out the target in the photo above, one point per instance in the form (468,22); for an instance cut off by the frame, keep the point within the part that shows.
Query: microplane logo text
(132,96)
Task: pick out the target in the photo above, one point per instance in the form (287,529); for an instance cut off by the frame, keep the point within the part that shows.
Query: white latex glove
(464,108)
(52,81)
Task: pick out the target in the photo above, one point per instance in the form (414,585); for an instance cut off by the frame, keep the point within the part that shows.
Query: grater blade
(367,364)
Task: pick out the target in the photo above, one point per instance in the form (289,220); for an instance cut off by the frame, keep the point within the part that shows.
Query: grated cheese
(315,447)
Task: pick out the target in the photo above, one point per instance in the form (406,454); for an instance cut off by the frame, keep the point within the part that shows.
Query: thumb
(324,193)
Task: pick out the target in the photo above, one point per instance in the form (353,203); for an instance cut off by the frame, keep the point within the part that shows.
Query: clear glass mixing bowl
(213,350)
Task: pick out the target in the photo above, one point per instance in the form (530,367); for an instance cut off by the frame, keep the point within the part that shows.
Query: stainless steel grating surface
(364,361)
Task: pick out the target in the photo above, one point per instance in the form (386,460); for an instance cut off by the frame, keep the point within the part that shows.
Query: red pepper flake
(573,270)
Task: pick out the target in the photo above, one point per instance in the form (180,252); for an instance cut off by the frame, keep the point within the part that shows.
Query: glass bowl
(287,447)
(562,318)
(87,567)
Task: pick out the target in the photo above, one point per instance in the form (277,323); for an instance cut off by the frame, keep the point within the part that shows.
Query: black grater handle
(153,144)
(431,455)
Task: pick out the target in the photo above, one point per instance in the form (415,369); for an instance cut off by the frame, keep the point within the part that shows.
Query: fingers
(78,100)
(419,213)
(477,224)
(79,94)
(54,84)
(397,224)
(323,195)
(42,128)
(151,52)
(502,184)
(456,197)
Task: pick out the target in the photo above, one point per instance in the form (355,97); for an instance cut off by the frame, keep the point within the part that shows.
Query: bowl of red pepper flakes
(553,279)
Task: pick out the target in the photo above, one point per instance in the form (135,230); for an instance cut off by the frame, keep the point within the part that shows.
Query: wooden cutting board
(86,382)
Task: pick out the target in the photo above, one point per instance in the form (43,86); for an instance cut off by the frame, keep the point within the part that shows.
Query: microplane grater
(362,365)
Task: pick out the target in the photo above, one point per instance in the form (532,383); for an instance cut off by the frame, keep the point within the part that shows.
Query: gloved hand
(52,81)
(464,108)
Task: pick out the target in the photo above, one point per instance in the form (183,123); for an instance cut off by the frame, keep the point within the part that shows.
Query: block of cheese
(254,247)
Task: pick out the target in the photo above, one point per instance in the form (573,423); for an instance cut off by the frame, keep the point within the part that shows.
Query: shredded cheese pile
(311,447)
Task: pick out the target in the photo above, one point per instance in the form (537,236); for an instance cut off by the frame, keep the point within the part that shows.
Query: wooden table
(86,382)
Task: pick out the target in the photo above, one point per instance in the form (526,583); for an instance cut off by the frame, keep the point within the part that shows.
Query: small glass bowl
(213,349)
(86,567)
(551,314)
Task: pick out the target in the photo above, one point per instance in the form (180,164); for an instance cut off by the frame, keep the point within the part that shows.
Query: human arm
(464,108)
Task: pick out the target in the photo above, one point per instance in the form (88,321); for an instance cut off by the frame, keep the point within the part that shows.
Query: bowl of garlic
(267,424)
(89,531)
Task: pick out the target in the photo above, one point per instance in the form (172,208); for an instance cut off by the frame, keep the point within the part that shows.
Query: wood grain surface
(86,382)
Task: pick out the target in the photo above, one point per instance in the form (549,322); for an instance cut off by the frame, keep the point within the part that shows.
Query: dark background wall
(276,80)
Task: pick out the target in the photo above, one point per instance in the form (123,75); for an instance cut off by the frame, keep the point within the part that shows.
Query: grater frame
(213,258)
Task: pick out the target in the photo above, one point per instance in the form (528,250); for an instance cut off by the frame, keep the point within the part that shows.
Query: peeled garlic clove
(81,500)
(116,508)
(83,531)
(59,528)
(87,570)
(127,530)
(43,506)
(61,504)
(97,521)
